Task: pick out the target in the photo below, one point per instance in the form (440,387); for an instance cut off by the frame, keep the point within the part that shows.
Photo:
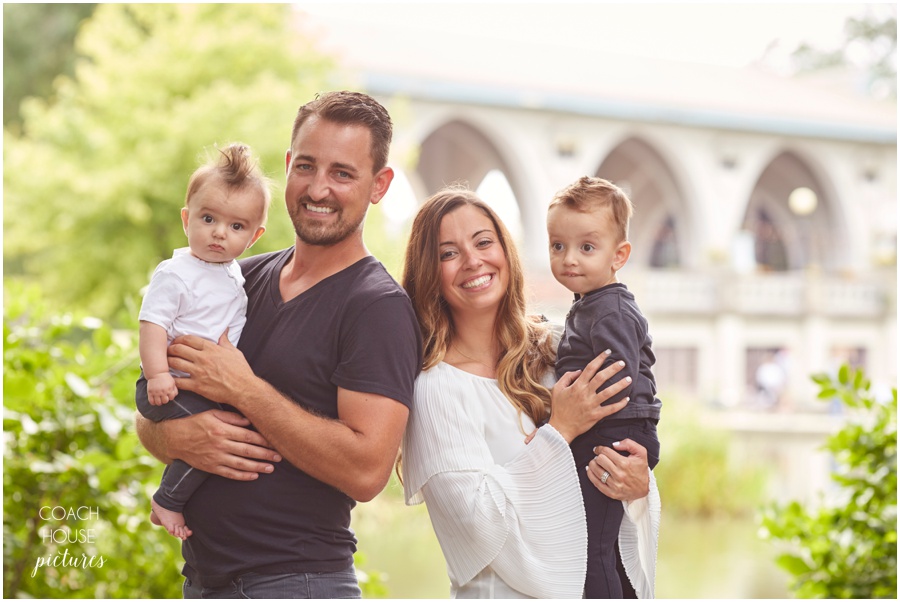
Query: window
(675,369)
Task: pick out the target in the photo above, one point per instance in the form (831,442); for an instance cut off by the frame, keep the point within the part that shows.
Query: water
(719,558)
(716,558)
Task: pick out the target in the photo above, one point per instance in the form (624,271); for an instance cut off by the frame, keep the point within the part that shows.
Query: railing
(781,294)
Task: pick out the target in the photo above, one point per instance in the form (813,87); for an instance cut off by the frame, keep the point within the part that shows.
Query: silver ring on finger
(604,477)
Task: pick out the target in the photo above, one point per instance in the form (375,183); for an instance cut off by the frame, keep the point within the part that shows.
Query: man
(324,371)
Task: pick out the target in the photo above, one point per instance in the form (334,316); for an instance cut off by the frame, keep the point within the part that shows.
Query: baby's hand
(530,436)
(161,389)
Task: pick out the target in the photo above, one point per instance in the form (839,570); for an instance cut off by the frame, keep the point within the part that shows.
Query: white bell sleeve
(523,517)
(638,540)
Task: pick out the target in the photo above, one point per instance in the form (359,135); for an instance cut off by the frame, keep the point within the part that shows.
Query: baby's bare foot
(172,521)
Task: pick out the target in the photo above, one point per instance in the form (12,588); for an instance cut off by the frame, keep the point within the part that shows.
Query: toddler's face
(220,223)
(584,251)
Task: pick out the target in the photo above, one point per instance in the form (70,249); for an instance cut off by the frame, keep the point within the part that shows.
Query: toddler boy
(587,222)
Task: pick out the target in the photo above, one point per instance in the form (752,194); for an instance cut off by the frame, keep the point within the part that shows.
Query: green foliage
(698,474)
(37,46)
(847,548)
(94,184)
(68,443)
(371,582)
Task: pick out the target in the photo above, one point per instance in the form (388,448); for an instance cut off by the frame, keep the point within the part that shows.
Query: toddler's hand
(161,389)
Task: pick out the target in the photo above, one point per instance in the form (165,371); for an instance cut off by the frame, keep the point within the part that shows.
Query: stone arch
(661,228)
(785,239)
(458,151)
(463,151)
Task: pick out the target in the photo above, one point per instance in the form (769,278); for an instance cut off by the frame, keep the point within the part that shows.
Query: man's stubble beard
(324,236)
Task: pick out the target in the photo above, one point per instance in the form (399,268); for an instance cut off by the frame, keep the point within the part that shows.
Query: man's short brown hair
(352,108)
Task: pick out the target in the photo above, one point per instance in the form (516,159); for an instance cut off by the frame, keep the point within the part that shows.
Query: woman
(503,496)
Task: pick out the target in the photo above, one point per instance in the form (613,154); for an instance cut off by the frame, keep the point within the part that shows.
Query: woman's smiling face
(474,269)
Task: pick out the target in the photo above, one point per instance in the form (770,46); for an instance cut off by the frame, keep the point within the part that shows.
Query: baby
(199,291)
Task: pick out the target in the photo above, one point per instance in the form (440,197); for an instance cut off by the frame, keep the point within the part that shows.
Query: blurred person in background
(770,381)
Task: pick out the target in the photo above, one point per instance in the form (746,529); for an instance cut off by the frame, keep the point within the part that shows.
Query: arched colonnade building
(730,268)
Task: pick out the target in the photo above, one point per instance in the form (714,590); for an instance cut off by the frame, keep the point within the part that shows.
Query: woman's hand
(575,404)
(627,477)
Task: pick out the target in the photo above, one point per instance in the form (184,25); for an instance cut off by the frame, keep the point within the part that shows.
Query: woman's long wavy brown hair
(526,347)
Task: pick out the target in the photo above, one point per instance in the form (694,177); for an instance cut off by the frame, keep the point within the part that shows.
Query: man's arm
(354,453)
(215,441)
(151,436)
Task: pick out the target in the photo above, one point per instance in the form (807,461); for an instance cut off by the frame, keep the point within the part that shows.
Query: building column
(730,351)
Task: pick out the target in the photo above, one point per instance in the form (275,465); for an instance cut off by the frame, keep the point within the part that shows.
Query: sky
(741,34)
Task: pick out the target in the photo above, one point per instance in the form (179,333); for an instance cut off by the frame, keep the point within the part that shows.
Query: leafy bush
(697,474)
(77,483)
(76,480)
(847,547)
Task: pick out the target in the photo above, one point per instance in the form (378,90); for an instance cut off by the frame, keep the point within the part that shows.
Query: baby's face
(220,223)
(584,250)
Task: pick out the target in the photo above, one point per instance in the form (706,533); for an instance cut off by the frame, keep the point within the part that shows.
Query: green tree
(94,183)
(870,44)
(37,46)
(847,546)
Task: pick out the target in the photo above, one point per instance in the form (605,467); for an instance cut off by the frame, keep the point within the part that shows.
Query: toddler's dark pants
(604,515)
(180,480)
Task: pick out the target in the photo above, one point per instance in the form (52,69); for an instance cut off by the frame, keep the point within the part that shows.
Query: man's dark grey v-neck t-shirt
(356,330)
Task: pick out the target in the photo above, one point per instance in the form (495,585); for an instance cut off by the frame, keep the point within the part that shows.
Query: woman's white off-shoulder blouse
(509,516)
